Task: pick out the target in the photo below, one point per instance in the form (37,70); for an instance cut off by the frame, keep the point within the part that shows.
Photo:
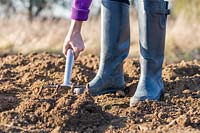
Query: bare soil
(26,107)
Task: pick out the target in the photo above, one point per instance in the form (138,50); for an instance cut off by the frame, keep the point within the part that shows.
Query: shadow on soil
(8,100)
(90,117)
(184,82)
(182,90)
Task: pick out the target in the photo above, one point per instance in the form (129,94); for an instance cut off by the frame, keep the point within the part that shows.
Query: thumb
(65,48)
(76,51)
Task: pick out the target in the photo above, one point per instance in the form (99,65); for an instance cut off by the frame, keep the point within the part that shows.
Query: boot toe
(78,91)
(135,99)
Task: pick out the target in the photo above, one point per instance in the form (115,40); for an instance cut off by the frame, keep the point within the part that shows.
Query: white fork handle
(68,67)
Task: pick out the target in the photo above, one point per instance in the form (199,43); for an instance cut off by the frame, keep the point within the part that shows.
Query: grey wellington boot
(152,15)
(115,43)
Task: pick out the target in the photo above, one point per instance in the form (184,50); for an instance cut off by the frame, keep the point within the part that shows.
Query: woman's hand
(74,39)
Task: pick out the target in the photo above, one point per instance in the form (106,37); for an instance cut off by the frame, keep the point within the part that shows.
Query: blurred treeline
(189,8)
(31,8)
(41,8)
(35,8)
(49,26)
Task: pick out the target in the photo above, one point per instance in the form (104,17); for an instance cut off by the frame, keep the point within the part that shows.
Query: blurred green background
(28,26)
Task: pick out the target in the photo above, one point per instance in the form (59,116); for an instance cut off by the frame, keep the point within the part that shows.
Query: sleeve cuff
(79,14)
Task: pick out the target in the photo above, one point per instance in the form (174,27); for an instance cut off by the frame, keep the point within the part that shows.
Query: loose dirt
(26,107)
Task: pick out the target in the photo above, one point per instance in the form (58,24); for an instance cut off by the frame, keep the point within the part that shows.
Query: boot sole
(157,98)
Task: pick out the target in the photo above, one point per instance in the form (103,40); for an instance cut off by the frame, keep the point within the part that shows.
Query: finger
(65,48)
(76,52)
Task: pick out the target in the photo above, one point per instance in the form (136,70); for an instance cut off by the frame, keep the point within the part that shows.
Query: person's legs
(115,43)
(152,15)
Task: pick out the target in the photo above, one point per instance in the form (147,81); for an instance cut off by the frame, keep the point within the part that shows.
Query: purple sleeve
(80,10)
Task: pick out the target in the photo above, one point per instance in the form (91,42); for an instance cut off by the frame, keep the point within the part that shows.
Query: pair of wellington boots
(115,44)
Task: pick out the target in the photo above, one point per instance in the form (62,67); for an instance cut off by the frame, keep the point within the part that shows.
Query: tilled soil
(26,107)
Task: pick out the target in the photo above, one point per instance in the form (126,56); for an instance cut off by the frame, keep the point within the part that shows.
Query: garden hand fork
(67,74)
